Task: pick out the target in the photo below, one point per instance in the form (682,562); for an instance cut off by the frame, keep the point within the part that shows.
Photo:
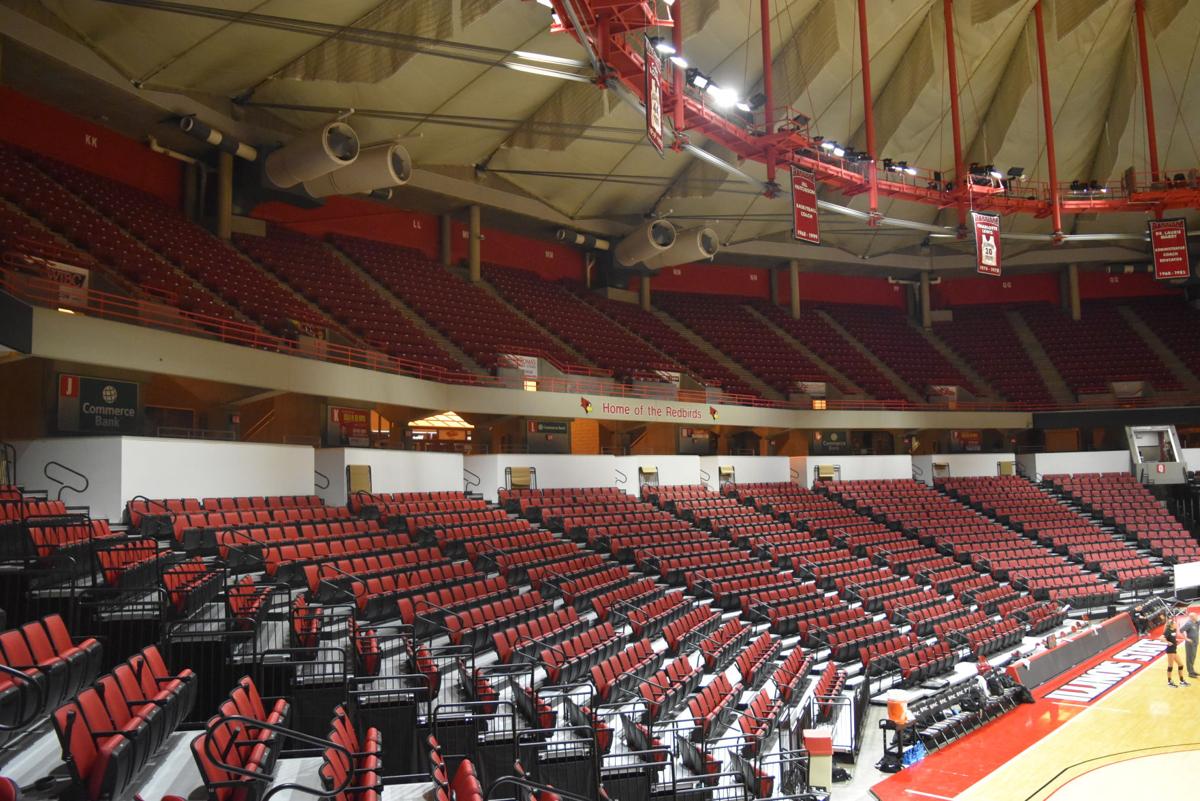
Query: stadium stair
(728,363)
(907,391)
(961,364)
(1041,360)
(458,353)
(578,357)
(1168,357)
(838,376)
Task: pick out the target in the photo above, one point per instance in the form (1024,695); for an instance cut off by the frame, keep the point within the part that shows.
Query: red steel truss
(606,27)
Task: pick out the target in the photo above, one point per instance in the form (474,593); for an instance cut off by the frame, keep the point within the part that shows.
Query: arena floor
(1137,738)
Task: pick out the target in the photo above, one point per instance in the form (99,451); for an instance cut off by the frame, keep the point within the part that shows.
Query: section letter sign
(987,242)
(98,405)
(654,120)
(1168,242)
(805,225)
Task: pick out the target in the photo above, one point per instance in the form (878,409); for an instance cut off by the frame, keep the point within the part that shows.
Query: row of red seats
(234,756)
(313,271)
(110,731)
(467,315)
(208,260)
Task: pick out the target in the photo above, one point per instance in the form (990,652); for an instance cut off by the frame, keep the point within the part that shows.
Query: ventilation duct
(697,244)
(582,240)
(645,242)
(198,130)
(378,167)
(312,155)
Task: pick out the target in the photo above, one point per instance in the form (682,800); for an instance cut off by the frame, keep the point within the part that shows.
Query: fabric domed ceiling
(427,70)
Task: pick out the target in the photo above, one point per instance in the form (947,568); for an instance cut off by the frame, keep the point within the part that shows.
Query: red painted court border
(946,773)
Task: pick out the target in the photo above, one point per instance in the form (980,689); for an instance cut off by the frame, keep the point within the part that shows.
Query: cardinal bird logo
(586,405)
(712,410)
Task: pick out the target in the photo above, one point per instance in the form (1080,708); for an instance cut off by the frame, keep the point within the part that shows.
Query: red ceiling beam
(1048,121)
(792,144)
(1147,92)
(764,10)
(960,170)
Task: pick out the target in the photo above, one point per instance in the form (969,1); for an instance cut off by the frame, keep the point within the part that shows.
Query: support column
(794,287)
(1048,121)
(473,238)
(1147,93)
(960,171)
(679,75)
(446,239)
(644,293)
(774,286)
(192,199)
(926,306)
(1073,292)
(224,194)
(864,47)
(768,91)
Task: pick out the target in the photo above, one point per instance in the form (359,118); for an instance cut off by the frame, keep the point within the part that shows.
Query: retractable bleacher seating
(1120,501)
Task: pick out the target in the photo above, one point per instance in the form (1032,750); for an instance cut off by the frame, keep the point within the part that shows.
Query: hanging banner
(987,242)
(1168,243)
(653,94)
(805,225)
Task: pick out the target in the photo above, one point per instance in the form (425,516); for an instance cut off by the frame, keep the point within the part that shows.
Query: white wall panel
(391,471)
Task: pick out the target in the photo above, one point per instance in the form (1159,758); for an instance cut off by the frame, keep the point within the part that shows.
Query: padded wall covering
(33,125)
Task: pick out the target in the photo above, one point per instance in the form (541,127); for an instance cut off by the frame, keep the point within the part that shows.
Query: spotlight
(721,95)
(1078,186)
(679,61)
(889,166)
(828,144)
(662,45)
(838,151)
(907,170)
(744,107)
(757,101)
(697,79)
(1095,186)
(976,169)
(993,172)
(1016,173)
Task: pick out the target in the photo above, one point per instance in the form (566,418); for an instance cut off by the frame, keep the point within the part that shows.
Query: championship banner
(805,225)
(987,243)
(98,405)
(653,94)
(1168,243)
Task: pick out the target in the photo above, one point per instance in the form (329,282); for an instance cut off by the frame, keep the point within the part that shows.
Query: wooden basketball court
(1110,729)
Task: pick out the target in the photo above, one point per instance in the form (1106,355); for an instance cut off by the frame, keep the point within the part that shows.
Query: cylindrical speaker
(313,154)
(644,242)
(697,244)
(378,167)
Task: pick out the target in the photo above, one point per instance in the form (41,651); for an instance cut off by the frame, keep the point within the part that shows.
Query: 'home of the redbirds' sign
(647,409)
